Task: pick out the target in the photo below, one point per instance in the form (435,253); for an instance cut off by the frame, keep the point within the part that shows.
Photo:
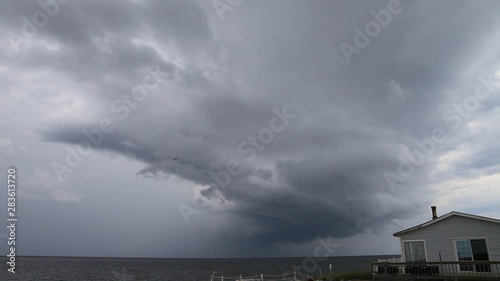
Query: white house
(454,236)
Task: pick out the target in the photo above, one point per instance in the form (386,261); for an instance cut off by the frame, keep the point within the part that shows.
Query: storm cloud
(262,178)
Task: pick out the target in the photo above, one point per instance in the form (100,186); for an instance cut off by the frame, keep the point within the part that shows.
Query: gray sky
(292,121)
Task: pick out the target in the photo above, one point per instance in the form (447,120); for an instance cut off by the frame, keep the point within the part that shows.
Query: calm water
(109,269)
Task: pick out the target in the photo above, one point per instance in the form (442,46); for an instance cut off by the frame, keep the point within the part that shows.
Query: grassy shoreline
(347,275)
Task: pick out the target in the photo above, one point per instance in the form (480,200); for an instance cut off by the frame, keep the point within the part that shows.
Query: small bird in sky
(174,158)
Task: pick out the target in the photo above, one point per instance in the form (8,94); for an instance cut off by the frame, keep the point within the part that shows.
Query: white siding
(439,237)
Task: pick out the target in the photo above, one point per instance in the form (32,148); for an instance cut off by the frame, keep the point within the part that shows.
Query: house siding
(440,235)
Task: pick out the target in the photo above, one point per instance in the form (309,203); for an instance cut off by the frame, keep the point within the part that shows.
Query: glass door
(464,253)
(480,253)
(473,250)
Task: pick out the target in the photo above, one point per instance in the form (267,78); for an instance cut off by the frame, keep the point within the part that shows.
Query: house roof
(443,217)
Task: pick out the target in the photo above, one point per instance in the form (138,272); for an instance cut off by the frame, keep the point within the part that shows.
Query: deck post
(262,277)
(294,276)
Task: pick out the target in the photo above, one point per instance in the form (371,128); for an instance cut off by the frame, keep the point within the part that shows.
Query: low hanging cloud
(318,173)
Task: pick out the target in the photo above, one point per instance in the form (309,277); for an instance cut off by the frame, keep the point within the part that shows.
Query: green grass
(356,274)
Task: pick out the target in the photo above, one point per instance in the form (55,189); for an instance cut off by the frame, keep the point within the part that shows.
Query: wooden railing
(259,277)
(459,270)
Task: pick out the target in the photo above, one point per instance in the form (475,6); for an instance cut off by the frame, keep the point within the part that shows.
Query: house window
(414,251)
(472,250)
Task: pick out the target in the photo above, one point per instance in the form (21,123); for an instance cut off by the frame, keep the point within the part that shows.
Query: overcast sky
(291,121)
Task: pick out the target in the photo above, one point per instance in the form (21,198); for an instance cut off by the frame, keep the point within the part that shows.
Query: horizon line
(110,257)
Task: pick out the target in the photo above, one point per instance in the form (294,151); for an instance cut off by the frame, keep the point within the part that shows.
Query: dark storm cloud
(323,174)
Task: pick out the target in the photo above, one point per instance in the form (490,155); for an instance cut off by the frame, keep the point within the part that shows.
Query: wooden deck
(463,270)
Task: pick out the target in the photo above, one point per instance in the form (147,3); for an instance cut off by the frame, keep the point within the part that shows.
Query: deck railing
(259,277)
(459,270)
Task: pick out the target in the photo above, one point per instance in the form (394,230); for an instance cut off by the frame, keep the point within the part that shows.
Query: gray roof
(399,233)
